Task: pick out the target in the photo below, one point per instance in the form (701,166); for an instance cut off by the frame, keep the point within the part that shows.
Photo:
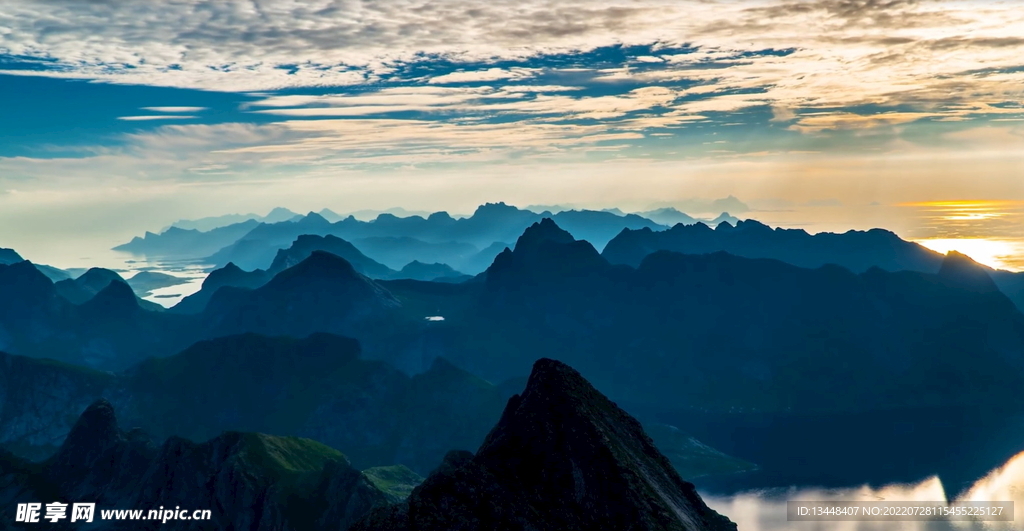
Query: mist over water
(765,510)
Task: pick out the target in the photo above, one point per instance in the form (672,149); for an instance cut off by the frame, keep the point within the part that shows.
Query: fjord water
(76,255)
(940,454)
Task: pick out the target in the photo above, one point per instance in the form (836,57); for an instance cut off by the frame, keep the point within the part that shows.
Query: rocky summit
(563,457)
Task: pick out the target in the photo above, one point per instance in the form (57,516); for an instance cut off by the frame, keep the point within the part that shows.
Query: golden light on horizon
(998,254)
(989,231)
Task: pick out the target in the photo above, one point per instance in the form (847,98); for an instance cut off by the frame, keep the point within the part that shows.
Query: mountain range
(857,251)
(590,464)
(740,332)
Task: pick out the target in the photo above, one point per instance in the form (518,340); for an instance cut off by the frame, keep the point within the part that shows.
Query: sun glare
(1000,254)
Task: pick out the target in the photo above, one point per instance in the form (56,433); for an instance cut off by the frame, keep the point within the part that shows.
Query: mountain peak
(962,271)
(96,427)
(324,263)
(542,231)
(562,456)
(9,256)
(572,450)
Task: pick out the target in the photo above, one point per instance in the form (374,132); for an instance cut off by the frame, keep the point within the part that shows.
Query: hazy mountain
(600,227)
(330,215)
(389,239)
(246,480)
(417,270)
(397,251)
(209,223)
(395,211)
(562,457)
(187,244)
(258,247)
(724,217)
(304,246)
(479,262)
(667,216)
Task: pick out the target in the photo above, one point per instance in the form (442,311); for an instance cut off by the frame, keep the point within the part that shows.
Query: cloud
(174,109)
(154,117)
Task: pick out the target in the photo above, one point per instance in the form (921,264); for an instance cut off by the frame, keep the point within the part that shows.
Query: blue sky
(157,111)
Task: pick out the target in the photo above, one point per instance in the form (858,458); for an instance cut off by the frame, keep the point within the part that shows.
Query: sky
(118,117)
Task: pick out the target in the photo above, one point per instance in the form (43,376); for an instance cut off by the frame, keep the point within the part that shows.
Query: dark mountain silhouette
(440,272)
(10,256)
(229,275)
(246,480)
(304,246)
(317,387)
(182,243)
(111,330)
(960,271)
(562,457)
(323,293)
(86,286)
(857,251)
(721,331)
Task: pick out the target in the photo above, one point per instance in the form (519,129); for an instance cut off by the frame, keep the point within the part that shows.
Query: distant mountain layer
(187,243)
(562,457)
(209,223)
(250,243)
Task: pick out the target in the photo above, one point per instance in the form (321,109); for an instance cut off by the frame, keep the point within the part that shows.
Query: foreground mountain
(317,387)
(562,457)
(244,480)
